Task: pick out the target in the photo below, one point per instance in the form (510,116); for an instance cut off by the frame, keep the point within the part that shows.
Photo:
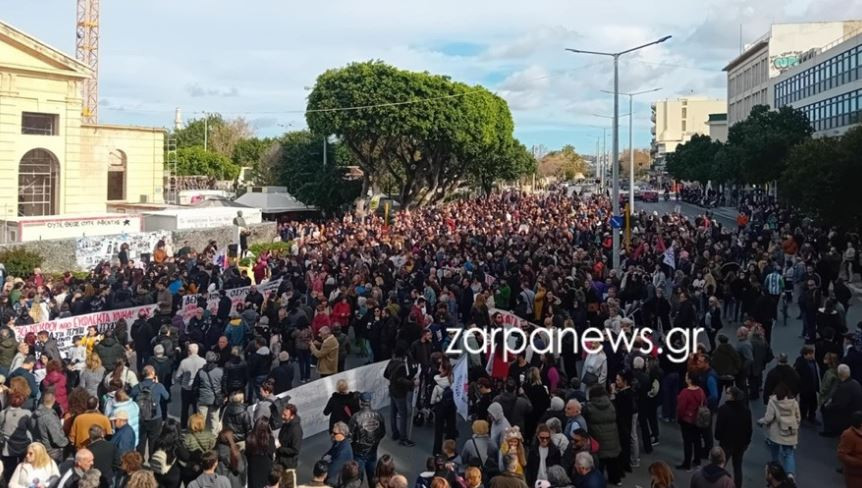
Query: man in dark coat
(733,429)
(282,375)
(781,373)
(846,400)
(809,383)
(105,454)
(289,438)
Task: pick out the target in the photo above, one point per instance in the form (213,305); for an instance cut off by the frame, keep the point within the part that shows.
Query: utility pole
(324,151)
(206,129)
(615,203)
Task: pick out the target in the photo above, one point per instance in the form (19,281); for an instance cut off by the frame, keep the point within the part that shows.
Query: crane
(87,52)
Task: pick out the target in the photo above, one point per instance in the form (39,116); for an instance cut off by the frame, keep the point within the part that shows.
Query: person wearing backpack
(443,403)
(209,387)
(782,420)
(149,394)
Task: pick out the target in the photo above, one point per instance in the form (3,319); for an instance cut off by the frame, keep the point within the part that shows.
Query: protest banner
(65,329)
(236,295)
(90,251)
(460,386)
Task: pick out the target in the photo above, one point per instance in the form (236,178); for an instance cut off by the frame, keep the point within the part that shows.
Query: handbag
(703,419)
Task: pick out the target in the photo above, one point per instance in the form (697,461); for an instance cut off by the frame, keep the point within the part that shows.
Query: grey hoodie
(500,423)
(48,430)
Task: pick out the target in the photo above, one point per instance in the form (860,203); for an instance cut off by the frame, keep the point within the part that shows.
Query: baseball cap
(366,397)
(543,484)
(120,415)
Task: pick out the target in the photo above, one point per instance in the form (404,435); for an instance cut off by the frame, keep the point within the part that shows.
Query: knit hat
(513,432)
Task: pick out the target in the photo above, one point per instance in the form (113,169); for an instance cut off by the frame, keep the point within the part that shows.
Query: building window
(117,175)
(37,183)
(39,124)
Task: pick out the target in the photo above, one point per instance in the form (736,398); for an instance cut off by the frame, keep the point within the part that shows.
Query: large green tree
(194,161)
(693,160)
(424,132)
(823,177)
(297,164)
(764,140)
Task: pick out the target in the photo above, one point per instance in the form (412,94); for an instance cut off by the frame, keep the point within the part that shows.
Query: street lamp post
(615,146)
(611,117)
(631,145)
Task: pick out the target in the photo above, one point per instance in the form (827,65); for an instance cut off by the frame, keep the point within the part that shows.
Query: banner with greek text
(65,329)
(236,295)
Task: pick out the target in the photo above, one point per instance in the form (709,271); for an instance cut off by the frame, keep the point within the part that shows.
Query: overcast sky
(256,58)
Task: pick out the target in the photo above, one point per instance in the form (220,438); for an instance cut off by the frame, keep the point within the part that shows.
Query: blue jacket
(594,479)
(339,454)
(235,334)
(124,439)
(132,409)
(157,393)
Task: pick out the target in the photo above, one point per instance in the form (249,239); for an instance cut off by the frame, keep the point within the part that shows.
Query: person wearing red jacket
(321,319)
(689,400)
(341,313)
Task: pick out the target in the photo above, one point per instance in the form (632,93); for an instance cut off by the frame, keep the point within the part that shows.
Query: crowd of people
(373,290)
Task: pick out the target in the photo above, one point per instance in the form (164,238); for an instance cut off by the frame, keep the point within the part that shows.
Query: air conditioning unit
(144,199)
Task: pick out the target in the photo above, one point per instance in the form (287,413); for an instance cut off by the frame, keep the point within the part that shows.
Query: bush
(276,248)
(20,262)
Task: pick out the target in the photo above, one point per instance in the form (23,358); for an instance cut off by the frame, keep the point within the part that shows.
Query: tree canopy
(565,163)
(194,160)
(426,133)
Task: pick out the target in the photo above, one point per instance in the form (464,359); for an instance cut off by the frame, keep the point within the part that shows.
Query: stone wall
(59,254)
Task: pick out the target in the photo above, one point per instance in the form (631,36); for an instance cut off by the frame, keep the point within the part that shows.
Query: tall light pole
(631,146)
(615,203)
(611,117)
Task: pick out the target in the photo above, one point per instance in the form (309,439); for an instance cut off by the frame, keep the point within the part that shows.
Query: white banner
(460,386)
(236,295)
(669,258)
(64,330)
(90,251)
(310,397)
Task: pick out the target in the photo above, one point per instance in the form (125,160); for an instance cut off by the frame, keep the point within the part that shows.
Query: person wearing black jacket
(809,383)
(235,372)
(400,384)
(342,404)
(142,335)
(289,438)
(224,306)
(626,408)
(282,375)
(367,429)
(686,315)
(733,429)
(552,457)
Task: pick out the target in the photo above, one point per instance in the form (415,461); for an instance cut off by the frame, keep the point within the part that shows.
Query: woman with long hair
(144,479)
(384,471)
(230,460)
(259,451)
(15,427)
(661,476)
(350,476)
(55,378)
(539,397)
(123,374)
(164,453)
(37,466)
(92,375)
(443,404)
(129,463)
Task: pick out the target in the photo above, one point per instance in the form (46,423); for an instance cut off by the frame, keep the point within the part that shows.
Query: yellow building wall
(30,83)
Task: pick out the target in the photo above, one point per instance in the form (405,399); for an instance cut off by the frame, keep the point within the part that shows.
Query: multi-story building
(51,161)
(674,122)
(749,75)
(717,127)
(827,86)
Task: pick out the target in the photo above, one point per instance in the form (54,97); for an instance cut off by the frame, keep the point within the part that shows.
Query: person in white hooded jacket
(443,403)
(782,420)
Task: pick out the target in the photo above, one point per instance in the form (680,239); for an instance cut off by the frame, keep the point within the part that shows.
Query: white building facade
(827,86)
(750,75)
(675,122)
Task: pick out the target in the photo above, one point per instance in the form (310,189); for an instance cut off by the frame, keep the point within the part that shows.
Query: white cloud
(256,59)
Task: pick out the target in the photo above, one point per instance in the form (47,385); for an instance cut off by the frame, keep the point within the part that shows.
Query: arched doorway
(38,177)
(117,175)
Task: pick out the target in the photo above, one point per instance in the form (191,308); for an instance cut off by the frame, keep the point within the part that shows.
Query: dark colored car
(649,196)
